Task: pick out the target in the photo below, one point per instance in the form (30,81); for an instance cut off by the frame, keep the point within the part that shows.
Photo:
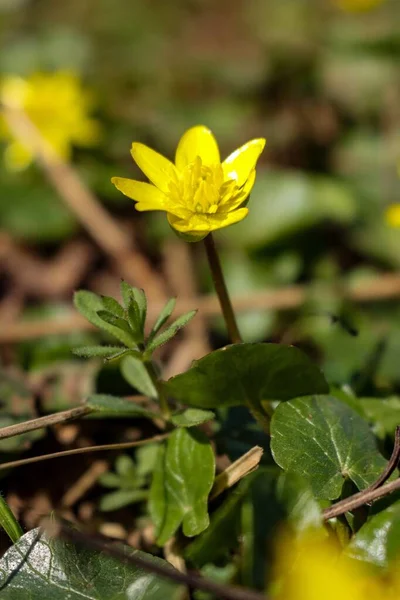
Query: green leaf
(169,333)
(8,522)
(113,306)
(378,540)
(182,481)
(247,374)
(102,351)
(189,417)
(112,406)
(135,373)
(141,301)
(135,321)
(122,324)
(88,304)
(121,498)
(324,440)
(163,317)
(38,567)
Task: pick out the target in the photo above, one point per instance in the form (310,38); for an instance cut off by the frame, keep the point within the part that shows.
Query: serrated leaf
(88,304)
(189,417)
(247,374)
(170,332)
(135,373)
(163,317)
(324,440)
(121,498)
(101,351)
(38,567)
(182,482)
(378,540)
(113,406)
(112,306)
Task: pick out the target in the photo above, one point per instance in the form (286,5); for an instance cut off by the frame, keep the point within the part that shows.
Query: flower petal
(234,203)
(197,141)
(201,224)
(145,193)
(156,167)
(240,164)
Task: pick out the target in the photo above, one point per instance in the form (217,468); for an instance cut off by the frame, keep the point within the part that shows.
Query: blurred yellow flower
(311,568)
(357,5)
(57,105)
(199,193)
(393,215)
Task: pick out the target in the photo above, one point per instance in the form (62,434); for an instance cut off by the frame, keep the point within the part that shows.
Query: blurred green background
(322,84)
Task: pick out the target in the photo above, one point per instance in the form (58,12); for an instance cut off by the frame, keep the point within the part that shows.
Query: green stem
(165,409)
(222,290)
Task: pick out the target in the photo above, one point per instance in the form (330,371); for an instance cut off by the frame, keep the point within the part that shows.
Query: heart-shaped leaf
(327,442)
(37,567)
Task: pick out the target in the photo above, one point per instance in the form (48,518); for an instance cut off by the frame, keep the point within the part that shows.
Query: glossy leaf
(324,440)
(37,567)
(189,417)
(378,540)
(135,373)
(247,374)
(182,481)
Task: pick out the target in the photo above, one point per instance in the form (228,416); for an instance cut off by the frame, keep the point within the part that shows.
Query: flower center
(201,188)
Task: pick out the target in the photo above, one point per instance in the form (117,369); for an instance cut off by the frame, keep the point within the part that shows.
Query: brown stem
(374,491)
(190,579)
(222,290)
(33,424)
(123,446)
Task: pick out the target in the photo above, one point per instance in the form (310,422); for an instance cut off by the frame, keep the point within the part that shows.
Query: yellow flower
(57,105)
(357,5)
(198,192)
(311,568)
(393,215)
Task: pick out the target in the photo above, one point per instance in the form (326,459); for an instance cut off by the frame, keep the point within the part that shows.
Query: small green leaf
(122,324)
(378,540)
(189,417)
(163,317)
(181,484)
(101,351)
(135,373)
(121,498)
(88,304)
(141,301)
(247,374)
(8,522)
(112,306)
(126,293)
(135,321)
(169,333)
(112,406)
(324,440)
(38,567)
